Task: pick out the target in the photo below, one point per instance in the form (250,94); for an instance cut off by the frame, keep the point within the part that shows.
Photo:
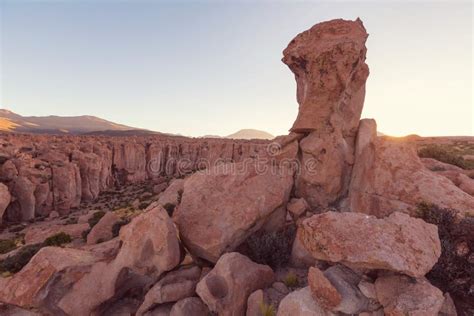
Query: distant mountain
(251,134)
(12,122)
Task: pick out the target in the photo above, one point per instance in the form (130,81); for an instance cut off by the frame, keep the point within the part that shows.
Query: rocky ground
(328,220)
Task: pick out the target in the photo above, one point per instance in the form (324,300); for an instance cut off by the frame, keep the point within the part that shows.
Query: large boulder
(388,175)
(222,206)
(5,198)
(226,288)
(150,247)
(397,243)
(401,295)
(50,270)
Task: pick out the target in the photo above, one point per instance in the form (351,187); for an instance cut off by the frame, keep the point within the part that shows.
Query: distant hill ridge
(92,125)
(12,122)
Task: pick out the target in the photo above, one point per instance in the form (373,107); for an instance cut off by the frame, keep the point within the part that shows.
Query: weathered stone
(38,234)
(301,303)
(226,288)
(22,207)
(102,231)
(401,295)
(221,207)
(297,207)
(173,287)
(51,268)
(300,256)
(5,198)
(448,308)
(345,281)
(189,306)
(328,61)
(150,247)
(388,176)
(325,294)
(172,194)
(397,243)
(254,302)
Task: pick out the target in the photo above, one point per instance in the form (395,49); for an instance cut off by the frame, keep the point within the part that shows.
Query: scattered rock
(402,295)
(189,306)
(448,308)
(226,288)
(397,243)
(102,231)
(173,287)
(345,281)
(325,294)
(301,303)
(297,207)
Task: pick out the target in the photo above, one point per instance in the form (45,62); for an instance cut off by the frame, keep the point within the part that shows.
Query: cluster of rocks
(353,197)
(40,174)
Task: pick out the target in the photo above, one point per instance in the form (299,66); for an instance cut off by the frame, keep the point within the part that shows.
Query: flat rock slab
(397,243)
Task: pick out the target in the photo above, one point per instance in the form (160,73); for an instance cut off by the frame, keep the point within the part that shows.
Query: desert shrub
(17,261)
(453,273)
(169,207)
(267,309)
(441,154)
(143,205)
(271,248)
(58,240)
(116,227)
(95,218)
(71,221)
(291,280)
(7,245)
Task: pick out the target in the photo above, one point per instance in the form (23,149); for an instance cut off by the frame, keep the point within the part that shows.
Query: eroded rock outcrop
(224,205)
(5,198)
(328,61)
(47,173)
(397,243)
(388,176)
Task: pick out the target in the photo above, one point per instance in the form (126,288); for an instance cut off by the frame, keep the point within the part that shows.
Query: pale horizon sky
(212,68)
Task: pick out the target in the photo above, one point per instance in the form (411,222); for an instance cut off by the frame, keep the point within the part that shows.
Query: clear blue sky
(199,68)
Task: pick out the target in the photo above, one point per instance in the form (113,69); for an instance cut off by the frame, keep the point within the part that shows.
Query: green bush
(291,280)
(453,273)
(16,262)
(95,218)
(442,154)
(7,245)
(58,240)
(267,309)
(270,248)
